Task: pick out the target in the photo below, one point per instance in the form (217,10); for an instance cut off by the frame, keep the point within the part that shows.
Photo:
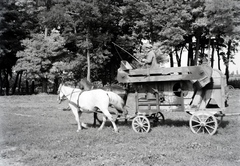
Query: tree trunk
(32,87)
(20,80)
(27,87)
(197,50)
(190,52)
(171,60)
(6,82)
(228,59)
(212,59)
(218,54)
(1,86)
(45,32)
(179,57)
(15,83)
(55,86)
(44,85)
(88,62)
(1,82)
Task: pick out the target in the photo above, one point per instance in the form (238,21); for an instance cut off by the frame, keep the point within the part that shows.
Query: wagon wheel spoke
(197,125)
(138,128)
(139,121)
(199,129)
(145,130)
(211,127)
(207,130)
(210,122)
(195,121)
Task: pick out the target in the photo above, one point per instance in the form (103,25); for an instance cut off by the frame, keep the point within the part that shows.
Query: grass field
(35,131)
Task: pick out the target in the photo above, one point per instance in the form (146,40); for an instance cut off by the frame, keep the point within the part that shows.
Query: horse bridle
(60,90)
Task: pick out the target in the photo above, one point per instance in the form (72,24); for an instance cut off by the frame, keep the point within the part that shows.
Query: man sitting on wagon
(151,59)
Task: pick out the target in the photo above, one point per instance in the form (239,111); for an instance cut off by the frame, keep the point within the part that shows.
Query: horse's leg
(99,121)
(77,113)
(109,116)
(94,118)
(103,123)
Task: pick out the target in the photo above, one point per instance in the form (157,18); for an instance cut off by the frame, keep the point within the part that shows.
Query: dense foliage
(87,30)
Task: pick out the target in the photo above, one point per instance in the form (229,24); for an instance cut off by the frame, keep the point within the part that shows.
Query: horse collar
(76,104)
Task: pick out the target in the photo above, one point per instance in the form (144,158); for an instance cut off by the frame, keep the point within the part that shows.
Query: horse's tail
(116,101)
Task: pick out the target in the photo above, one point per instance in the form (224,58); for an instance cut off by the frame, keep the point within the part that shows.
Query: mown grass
(37,132)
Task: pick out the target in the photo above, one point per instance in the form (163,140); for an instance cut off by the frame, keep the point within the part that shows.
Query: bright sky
(235,67)
(232,67)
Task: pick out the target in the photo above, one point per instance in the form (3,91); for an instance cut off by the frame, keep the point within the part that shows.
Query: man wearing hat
(151,57)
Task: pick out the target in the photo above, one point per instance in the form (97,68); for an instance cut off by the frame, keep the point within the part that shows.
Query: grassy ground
(35,131)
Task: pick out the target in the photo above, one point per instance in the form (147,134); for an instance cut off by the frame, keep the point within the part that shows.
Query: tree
(13,28)
(39,55)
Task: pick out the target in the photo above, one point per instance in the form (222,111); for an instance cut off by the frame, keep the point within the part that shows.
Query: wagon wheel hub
(202,124)
(141,124)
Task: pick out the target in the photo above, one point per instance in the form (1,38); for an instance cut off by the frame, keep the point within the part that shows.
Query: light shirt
(151,59)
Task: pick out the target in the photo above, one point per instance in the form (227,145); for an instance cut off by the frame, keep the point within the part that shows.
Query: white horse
(91,101)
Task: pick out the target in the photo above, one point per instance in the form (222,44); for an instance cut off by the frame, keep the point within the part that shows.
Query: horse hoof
(84,125)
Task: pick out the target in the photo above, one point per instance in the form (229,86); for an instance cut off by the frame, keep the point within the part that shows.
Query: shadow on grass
(175,123)
(223,124)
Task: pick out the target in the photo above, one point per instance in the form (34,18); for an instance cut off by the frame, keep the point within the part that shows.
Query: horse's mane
(88,83)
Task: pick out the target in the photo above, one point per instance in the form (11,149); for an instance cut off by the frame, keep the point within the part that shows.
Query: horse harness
(75,104)
(70,102)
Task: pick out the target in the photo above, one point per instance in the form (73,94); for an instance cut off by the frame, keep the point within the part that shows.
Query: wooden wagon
(196,90)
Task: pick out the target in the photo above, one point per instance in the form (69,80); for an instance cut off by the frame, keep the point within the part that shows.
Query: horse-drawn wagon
(196,90)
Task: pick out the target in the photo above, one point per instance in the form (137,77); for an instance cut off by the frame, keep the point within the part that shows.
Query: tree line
(45,40)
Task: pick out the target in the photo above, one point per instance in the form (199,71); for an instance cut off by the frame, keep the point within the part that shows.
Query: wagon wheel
(141,124)
(203,123)
(158,117)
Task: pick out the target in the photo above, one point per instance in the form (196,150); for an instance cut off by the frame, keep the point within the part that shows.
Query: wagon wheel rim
(159,117)
(203,123)
(141,124)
